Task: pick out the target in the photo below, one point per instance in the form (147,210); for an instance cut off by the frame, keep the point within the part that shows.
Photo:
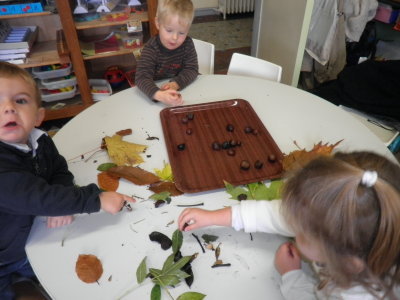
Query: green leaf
(155,292)
(155,272)
(161,196)
(191,296)
(141,271)
(235,191)
(275,189)
(168,262)
(105,166)
(177,266)
(177,240)
(167,280)
(208,238)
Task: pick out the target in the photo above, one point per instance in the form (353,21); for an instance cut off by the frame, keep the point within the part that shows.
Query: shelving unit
(63,46)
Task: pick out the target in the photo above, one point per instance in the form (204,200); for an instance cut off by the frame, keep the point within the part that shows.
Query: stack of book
(16,42)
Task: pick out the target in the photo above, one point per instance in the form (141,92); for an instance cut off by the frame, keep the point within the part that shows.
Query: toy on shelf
(107,5)
(80,8)
(115,76)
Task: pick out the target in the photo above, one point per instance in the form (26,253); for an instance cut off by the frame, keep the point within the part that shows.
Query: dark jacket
(36,186)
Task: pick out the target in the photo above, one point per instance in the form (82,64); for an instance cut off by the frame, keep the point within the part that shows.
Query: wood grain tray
(198,167)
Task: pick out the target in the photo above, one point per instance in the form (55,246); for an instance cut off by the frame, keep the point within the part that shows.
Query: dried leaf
(124,132)
(88,268)
(208,238)
(165,173)
(165,186)
(191,296)
(108,182)
(299,158)
(141,271)
(134,174)
(161,238)
(123,153)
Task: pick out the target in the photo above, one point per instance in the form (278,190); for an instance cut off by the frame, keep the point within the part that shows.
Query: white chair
(205,56)
(246,65)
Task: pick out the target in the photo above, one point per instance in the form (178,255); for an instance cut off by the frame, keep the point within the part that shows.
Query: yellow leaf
(124,153)
(165,173)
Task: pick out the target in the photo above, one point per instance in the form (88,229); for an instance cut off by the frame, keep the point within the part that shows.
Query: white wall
(205,4)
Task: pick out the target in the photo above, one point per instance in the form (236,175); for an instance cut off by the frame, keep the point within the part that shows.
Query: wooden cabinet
(58,42)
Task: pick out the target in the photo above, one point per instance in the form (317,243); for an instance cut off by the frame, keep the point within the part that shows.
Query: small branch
(82,156)
(251,237)
(190,205)
(220,265)
(198,240)
(169,294)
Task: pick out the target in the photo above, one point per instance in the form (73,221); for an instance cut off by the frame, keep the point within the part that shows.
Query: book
(16,61)
(12,56)
(14,51)
(26,43)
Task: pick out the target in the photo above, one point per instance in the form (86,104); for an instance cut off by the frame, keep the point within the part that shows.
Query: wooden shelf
(122,51)
(44,13)
(143,16)
(42,53)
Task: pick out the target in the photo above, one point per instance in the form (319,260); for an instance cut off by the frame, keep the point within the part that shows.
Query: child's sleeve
(190,69)
(145,70)
(260,216)
(296,285)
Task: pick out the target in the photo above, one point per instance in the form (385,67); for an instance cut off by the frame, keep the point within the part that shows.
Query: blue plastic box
(25,8)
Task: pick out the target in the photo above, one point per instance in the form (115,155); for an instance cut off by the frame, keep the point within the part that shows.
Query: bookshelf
(58,42)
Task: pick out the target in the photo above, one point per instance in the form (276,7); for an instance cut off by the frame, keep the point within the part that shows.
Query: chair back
(246,65)
(205,56)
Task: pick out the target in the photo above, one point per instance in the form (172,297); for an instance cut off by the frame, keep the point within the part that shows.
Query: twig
(198,240)
(251,237)
(90,156)
(220,265)
(190,205)
(82,156)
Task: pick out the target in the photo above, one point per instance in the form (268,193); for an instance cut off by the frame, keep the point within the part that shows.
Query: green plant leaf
(235,191)
(105,166)
(168,262)
(176,266)
(141,271)
(209,238)
(167,280)
(155,292)
(162,196)
(191,296)
(155,272)
(177,240)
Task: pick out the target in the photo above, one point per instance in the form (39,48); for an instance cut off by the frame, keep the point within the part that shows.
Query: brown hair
(327,202)
(9,70)
(183,8)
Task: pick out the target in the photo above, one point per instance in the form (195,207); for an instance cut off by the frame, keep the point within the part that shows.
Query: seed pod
(161,238)
(258,164)
(271,158)
(181,147)
(230,128)
(245,165)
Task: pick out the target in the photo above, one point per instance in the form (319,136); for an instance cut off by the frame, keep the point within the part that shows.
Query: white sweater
(265,216)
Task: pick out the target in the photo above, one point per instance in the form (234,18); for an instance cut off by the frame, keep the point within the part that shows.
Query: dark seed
(238,143)
(245,165)
(271,158)
(255,132)
(248,129)
(159,203)
(189,131)
(216,146)
(230,128)
(258,164)
(161,238)
(184,120)
(232,143)
(190,116)
(225,145)
(181,147)
(242,197)
(231,152)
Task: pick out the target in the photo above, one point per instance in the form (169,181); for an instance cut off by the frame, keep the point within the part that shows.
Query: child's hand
(170,97)
(170,86)
(287,258)
(113,202)
(193,218)
(53,222)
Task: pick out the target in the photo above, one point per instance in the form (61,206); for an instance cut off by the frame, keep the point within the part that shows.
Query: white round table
(121,241)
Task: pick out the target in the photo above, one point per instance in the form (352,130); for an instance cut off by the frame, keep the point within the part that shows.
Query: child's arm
(194,218)
(170,97)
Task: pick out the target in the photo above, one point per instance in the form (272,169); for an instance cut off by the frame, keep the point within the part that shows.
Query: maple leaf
(299,158)
(123,153)
(165,173)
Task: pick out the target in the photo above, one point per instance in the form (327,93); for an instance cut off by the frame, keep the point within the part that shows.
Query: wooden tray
(198,167)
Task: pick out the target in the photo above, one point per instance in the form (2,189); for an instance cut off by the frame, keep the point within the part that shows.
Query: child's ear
(40,116)
(156,22)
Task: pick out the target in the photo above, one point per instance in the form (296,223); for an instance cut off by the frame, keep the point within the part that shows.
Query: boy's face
(19,112)
(172,31)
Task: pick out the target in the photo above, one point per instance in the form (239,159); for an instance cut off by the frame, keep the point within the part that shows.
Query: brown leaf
(165,186)
(88,268)
(299,158)
(124,132)
(134,174)
(107,181)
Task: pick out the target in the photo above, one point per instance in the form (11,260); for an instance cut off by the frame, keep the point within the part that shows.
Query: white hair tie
(369,178)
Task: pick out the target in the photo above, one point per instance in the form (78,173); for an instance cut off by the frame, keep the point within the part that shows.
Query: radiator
(236,6)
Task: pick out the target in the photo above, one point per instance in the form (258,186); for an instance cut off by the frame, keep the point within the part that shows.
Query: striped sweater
(157,62)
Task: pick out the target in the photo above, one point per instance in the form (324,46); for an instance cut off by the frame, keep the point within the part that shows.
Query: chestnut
(244,165)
